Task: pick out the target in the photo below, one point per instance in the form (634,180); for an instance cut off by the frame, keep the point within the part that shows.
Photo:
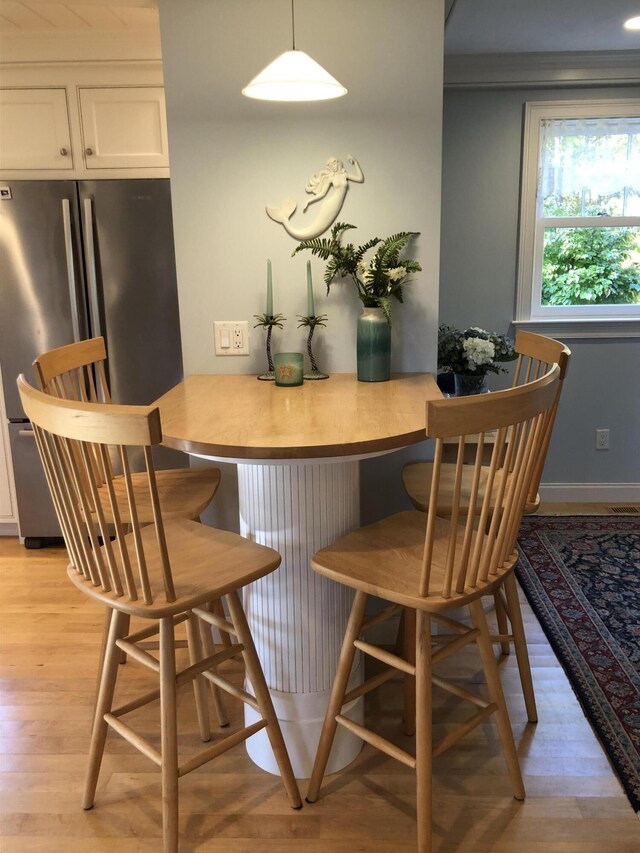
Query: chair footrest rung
(154,645)
(188,674)
(220,623)
(151,696)
(463,729)
(139,654)
(134,738)
(448,622)
(385,657)
(501,638)
(382,616)
(379,742)
(456,690)
(232,689)
(369,685)
(220,747)
(153,629)
(453,646)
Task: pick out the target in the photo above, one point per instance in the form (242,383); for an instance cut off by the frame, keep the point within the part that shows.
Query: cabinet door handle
(88,151)
(26,433)
(64,152)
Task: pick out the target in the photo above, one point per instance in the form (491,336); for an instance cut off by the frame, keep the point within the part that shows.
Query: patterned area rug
(581,576)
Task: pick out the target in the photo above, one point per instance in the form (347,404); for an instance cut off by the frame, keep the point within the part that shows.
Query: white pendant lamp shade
(294,76)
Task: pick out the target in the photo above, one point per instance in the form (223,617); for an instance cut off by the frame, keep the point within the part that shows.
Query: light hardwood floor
(49,641)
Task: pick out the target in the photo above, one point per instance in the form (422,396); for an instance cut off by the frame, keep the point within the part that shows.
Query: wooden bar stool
(430,565)
(536,354)
(165,572)
(78,371)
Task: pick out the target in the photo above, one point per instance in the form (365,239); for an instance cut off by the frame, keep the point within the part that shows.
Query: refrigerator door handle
(90,262)
(71,272)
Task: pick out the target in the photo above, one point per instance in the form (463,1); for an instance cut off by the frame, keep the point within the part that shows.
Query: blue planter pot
(373,346)
(466,384)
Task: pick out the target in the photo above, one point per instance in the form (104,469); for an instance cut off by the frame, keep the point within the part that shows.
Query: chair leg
(169,736)
(497,696)
(520,644)
(216,693)
(199,682)
(261,691)
(218,610)
(117,629)
(424,748)
(503,623)
(108,612)
(409,650)
(336,700)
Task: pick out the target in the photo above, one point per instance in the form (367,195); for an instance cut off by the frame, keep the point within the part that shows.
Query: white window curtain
(592,157)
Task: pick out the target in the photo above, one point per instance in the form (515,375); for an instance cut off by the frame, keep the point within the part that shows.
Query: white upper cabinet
(35,130)
(82,120)
(123,127)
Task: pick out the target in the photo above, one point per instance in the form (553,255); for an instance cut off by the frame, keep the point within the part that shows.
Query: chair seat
(205,564)
(182,492)
(416,477)
(385,559)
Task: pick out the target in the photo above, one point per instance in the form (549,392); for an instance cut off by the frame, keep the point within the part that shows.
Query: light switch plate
(231,337)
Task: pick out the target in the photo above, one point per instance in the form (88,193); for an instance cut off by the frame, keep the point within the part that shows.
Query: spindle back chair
(430,565)
(166,571)
(79,371)
(536,354)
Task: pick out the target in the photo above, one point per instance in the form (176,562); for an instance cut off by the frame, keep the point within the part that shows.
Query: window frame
(581,320)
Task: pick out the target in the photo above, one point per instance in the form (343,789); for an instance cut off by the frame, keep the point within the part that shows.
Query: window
(579,252)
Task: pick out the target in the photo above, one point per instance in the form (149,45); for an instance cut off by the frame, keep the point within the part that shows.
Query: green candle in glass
(288,368)
(269,311)
(311,311)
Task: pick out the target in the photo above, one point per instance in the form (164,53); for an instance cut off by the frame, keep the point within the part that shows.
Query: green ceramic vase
(373,346)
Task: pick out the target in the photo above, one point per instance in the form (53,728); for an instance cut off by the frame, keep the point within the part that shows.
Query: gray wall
(482,137)
(231,156)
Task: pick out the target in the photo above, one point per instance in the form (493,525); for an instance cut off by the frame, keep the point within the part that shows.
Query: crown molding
(80,47)
(531,70)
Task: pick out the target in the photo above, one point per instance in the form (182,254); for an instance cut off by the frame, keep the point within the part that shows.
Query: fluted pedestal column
(297,617)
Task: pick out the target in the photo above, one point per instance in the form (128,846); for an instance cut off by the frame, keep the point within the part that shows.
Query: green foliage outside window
(591,266)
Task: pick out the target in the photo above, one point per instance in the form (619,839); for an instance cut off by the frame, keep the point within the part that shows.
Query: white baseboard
(590,492)
(8,528)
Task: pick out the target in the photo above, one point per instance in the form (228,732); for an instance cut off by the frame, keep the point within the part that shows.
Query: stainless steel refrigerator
(80,259)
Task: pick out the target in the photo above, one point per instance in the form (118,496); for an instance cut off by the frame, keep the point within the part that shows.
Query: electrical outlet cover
(231,337)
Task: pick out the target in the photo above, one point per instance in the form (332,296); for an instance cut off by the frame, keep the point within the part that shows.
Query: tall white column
(297,617)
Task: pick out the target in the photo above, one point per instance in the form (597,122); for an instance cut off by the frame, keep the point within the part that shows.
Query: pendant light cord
(293,26)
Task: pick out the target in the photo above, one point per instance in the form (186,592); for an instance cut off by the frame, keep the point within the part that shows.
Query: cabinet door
(34,129)
(124,128)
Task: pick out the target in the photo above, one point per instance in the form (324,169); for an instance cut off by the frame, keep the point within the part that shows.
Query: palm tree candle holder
(311,323)
(268,321)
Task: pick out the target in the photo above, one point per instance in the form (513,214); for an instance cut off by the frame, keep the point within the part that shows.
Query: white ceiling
(473,26)
(523,26)
(51,16)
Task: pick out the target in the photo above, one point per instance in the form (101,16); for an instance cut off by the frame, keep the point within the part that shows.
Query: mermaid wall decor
(329,186)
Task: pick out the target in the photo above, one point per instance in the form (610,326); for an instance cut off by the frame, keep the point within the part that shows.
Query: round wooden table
(297,452)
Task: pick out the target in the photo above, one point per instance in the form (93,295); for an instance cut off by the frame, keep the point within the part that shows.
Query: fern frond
(362,250)
(317,246)
(392,246)
(385,303)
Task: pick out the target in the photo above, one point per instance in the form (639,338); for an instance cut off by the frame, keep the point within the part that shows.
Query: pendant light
(294,76)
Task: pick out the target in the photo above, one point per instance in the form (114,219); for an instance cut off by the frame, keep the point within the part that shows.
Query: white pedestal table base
(297,617)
